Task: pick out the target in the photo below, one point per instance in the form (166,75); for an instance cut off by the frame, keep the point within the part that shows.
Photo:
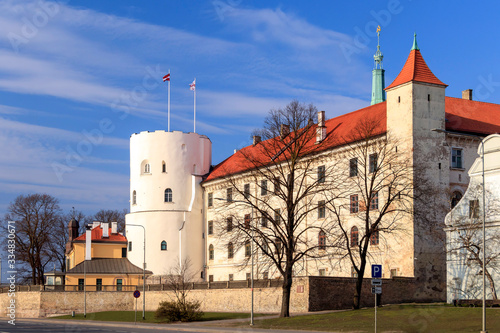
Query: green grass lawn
(394,318)
(129,316)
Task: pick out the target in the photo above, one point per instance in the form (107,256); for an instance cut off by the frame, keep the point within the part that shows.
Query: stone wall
(312,293)
(329,293)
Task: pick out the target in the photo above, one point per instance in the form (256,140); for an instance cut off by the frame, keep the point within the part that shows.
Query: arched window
(230,250)
(164,246)
(322,240)
(354,236)
(211,252)
(168,195)
(147,168)
(455,198)
(248,249)
(163,167)
(134,198)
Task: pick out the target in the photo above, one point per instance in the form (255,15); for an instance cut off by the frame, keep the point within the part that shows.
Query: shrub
(177,311)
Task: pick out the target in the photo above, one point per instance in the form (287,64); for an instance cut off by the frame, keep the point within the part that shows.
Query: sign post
(137,294)
(376,286)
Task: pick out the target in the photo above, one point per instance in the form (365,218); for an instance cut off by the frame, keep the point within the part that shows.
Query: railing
(268,283)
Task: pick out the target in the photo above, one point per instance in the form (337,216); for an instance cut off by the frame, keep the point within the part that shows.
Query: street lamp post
(252,254)
(143,271)
(484,221)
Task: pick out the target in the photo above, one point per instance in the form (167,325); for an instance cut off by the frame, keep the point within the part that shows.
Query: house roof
(462,115)
(339,131)
(96,236)
(415,69)
(107,266)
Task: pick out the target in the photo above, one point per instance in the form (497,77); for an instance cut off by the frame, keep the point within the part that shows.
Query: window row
(163,247)
(277,247)
(167,196)
(146,168)
(374,238)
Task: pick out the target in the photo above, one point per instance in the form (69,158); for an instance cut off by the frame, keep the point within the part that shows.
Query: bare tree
(59,237)
(465,243)
(108,216)
(35,216)
(283,182)
(179,281)
(380,191)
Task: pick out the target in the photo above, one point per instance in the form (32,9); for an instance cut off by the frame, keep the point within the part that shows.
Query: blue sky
(77,78)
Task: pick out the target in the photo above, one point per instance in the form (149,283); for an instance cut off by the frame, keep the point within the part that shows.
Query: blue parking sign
(376,271)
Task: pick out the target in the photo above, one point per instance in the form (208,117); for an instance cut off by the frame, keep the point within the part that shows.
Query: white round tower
(166,198)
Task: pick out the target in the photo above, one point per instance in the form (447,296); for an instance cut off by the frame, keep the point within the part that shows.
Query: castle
(174,189)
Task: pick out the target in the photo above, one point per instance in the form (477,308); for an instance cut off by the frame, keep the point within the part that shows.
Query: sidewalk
(183,327)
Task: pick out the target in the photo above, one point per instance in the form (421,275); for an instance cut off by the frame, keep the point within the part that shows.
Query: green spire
(415,45)
(378,80)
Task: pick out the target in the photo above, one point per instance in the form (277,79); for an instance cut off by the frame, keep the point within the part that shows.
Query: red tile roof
(415,69)
(461,116)
(339,131)
(96,235)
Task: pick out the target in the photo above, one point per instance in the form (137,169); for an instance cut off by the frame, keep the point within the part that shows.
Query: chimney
(105,230)
(256,139)
(95,224)
(114,228)
(284,131)
(467,94)
(321,129)
(88,242)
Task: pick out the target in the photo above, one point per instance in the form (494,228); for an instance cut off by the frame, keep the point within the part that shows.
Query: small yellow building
(98,259)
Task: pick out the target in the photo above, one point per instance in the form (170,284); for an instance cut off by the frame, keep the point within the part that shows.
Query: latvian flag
(192,86)
(166,77)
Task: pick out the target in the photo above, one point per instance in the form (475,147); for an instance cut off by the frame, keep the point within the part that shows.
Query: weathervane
(378,55)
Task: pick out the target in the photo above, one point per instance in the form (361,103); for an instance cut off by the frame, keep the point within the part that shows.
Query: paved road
(60,326)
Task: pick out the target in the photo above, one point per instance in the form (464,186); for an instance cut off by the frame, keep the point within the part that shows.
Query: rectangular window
(119,285)
(354,274)
(321,209)
(247,221)
(130,246)
(124,252)
(265,275)
(248,276)
(80,285)
(210,227)
(210,199)
(322,272)
(229,222)
(457,158)
(353,167)
(394,272)
(210,278)
(246,191)
(263,187)
(321,174)
(231,277)
(277,217)
(276,183)
(229,194)
(278,246)
(354,203)
(98,284)
(263,221)
(374,201)
(373,162)
(474,208)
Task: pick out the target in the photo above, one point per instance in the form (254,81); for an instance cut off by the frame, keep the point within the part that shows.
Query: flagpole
(194,106)
(169,101)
